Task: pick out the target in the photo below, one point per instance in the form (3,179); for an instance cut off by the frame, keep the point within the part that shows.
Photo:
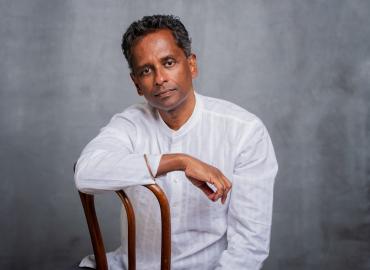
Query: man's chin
(171,104)
(167,105)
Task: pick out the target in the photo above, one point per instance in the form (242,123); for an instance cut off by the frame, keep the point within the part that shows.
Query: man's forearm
(198,172)
(171,162)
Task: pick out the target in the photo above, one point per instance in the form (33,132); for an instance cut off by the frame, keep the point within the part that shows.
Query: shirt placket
(176,184)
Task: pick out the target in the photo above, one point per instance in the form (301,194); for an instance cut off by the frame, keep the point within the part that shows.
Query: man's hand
(199,173)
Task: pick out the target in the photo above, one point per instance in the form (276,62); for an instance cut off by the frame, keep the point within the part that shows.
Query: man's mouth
(164,93)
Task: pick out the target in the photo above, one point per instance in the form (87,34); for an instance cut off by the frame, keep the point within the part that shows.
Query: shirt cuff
(153,162)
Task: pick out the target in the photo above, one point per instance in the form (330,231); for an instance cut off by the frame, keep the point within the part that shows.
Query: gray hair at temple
(149,24)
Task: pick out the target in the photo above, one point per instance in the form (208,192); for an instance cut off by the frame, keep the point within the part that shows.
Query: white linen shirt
(205,234)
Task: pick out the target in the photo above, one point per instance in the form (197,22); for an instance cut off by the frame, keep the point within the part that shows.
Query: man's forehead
(158,44)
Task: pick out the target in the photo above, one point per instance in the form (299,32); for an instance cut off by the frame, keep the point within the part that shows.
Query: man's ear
(133,78)
(192,60)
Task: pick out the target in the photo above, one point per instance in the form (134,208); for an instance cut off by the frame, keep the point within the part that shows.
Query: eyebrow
(170,56)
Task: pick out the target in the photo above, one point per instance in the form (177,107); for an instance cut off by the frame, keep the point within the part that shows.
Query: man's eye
(145,71)
(169,63)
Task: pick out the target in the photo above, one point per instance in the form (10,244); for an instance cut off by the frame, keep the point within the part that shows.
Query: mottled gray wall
(302,66)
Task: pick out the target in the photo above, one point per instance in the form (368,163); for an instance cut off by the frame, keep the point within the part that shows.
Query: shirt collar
(189,124)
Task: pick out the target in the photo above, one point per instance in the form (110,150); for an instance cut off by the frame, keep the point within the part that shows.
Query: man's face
(161,71)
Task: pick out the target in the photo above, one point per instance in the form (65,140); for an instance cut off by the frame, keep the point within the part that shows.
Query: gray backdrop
(302,66)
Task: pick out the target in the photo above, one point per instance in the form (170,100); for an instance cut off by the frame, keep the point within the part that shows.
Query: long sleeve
(250,209)
(109,161)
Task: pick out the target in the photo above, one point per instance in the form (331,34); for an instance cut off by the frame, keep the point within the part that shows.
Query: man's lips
(164,92)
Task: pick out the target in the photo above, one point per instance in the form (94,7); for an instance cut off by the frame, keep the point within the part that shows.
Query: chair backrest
(87,201)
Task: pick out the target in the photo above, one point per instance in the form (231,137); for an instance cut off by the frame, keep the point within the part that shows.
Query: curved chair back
(87,201)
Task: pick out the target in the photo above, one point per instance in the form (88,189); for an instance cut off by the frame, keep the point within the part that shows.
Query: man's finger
(227,185)
(202,186)
(220,189)
(206,189)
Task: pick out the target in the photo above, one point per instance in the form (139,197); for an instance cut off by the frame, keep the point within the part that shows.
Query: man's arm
(199,173)
(250,209)
(108,162)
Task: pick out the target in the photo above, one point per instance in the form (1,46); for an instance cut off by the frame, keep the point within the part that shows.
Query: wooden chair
(97,239)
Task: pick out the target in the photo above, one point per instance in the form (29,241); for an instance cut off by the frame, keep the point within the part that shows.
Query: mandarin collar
(175,135)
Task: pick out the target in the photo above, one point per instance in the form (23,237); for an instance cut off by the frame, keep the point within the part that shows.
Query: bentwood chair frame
(97,239)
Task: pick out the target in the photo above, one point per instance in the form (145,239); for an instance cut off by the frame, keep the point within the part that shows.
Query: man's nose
(160,76)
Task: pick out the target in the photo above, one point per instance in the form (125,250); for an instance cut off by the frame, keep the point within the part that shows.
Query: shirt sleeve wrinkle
(250,208)
(252,147)
(109,161)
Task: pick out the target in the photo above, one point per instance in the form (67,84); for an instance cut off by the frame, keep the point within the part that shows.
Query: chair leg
(95,234)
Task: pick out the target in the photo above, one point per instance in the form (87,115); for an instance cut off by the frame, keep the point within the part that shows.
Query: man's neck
(175,119)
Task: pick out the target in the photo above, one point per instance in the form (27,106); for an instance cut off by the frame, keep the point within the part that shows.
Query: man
(213,159)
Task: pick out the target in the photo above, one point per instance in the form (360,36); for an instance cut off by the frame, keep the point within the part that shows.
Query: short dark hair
(149,24)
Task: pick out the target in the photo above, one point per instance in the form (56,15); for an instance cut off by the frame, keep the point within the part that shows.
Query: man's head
(162,65)
(148,24)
